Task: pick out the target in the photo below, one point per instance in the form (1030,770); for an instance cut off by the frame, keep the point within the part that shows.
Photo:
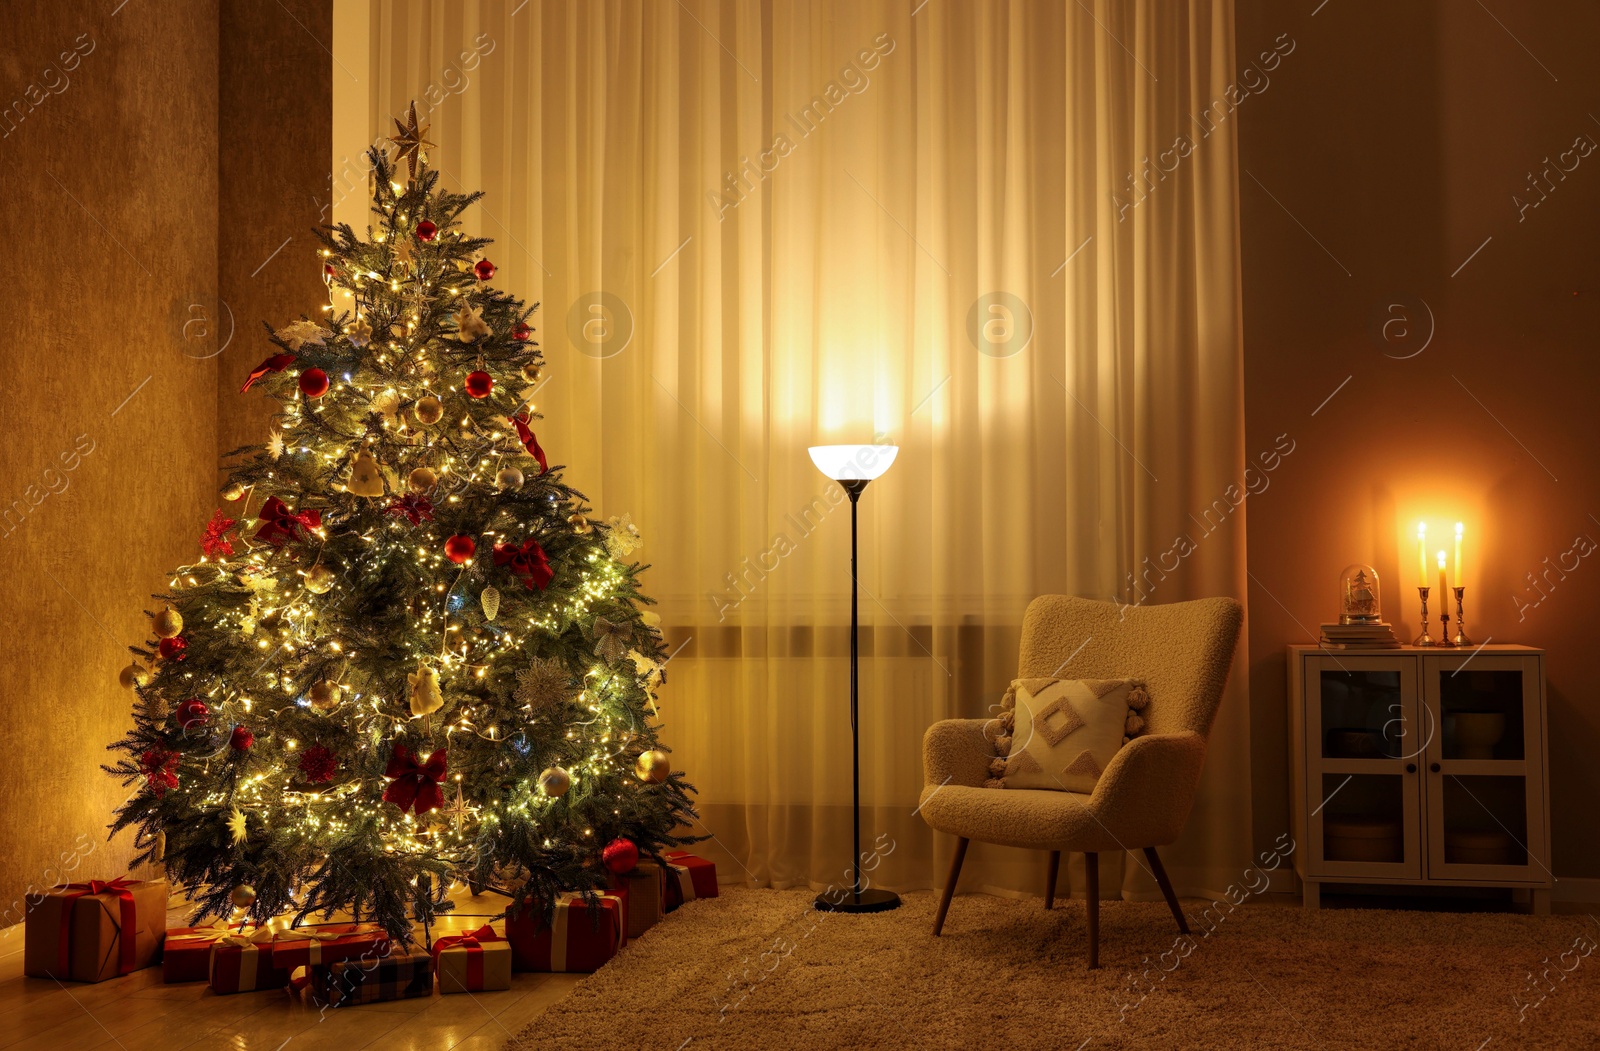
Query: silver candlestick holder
(1424,639)
(1461,621)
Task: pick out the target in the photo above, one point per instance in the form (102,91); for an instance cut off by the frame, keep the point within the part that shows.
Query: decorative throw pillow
(1062,733)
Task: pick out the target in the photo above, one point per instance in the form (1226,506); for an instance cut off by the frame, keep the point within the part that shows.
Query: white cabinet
(1420,766)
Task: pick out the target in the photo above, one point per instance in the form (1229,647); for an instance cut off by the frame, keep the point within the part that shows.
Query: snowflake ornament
(544,683)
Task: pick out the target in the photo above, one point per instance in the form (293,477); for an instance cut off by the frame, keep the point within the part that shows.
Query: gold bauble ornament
(580,525)
(168,623)
(429,410)
(652,767)
(508,479)
(133,675)
(325,695)
(554,782)
(243,896)
(365,478)
(531,372)
(422,479)
(233,492)
(320,579)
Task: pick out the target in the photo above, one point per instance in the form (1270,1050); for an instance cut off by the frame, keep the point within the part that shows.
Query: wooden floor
(138,1013)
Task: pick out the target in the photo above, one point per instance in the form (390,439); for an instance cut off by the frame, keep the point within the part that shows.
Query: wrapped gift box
(397,976)
(579,937)
(642,891)
(329,943)
(88,932)
(186,951)
(242,963)
(477,961)
(688,877)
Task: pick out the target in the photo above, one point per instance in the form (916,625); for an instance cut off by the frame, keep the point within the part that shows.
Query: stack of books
(1371,635)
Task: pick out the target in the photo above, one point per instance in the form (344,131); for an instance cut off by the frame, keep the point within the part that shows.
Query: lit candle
(1458,556)
(1443,586)
(1422,554)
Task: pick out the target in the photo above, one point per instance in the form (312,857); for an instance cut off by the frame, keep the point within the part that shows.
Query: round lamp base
(843,899)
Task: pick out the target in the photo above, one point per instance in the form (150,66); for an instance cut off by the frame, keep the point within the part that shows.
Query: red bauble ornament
(328,270)
(171,649)
(479,384)
(620,856)
(426,230)
(521,332)
(313,383)
(241,739)
(483,269)
(459,548)
(192,713)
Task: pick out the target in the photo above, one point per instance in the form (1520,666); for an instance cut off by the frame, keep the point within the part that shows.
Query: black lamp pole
(834,899)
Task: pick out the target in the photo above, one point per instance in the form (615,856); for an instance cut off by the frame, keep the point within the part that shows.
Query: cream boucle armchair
(1143,798)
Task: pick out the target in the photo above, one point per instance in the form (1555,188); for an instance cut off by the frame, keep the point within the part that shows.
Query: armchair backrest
(1182,650)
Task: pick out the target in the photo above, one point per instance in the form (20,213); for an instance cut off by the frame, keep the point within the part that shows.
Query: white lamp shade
(853,462)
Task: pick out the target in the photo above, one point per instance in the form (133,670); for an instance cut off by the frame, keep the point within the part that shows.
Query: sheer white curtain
(1000,235)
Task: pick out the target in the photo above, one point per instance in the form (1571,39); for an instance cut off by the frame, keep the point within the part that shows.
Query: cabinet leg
(1310,894)
(1541,902)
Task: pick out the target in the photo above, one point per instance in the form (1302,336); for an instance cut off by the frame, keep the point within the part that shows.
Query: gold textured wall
(163,166)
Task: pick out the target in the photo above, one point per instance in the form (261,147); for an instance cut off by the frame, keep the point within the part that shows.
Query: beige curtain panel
(1002,236)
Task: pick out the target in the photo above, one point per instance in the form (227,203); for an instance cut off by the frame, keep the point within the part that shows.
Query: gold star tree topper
(412,142)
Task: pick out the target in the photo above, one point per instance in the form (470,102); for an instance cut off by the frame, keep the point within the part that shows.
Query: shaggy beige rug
(760,969)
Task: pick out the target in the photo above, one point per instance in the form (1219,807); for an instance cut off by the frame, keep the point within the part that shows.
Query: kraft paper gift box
(472,962)
(642,891)
(186,952)
(88,932)
(399,976)
(688,877)
(242,963)
(579,937)
(330,943)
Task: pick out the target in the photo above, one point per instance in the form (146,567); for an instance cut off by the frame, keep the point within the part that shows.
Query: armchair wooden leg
(950,885)
(1091,872)
(1166,888)
(1050,880)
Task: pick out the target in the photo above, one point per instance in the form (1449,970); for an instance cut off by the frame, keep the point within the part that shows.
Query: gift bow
(278,523)
(217,932)
(528,562)
(529,442)
(415,784)
(241,940)
(128,920)
(276,363)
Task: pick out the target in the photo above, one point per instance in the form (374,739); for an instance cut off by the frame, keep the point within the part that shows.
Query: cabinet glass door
(1363,744)
(1485,786)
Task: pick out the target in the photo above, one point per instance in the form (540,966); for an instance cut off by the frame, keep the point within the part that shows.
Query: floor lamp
(853,466)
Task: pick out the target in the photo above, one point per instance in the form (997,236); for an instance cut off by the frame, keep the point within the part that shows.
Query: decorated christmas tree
(407,653)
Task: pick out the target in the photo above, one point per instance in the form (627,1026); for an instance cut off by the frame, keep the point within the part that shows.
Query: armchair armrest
(955,751)
(1146,792)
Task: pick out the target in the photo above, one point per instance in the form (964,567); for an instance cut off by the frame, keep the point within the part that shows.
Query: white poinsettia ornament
(298,333)
(622,536)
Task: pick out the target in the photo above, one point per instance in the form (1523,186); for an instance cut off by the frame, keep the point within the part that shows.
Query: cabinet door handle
(1434,767)
(1411,768)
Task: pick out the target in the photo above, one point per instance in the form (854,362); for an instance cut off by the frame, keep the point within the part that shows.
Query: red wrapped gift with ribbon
(579,937)
(688,877)
(186,953)
(643,892)
(319,946)
(88,932)
(473,962)
(242,962)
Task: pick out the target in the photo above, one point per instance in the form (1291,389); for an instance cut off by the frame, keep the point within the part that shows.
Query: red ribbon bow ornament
(528,562)
(278,523)
(529,442)
(276,363)
(415,785)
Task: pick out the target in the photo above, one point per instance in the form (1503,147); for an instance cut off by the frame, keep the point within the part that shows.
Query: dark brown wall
(110,184)
(1394,139)
(149,184)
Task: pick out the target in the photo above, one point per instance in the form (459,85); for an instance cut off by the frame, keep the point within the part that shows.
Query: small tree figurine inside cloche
(1358,595)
